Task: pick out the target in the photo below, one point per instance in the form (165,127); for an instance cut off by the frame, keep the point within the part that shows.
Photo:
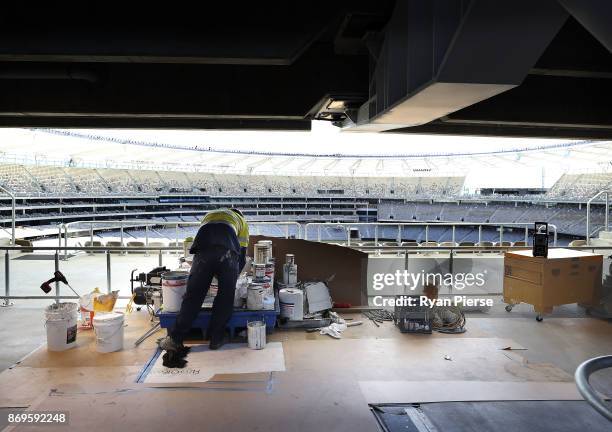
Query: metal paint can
(256,333)
(260,272)
(255,296)
(262,253)
(270,272)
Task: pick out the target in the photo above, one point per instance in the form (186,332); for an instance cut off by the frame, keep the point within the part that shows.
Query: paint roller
(58,276)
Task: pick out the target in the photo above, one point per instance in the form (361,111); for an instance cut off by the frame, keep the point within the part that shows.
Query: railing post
(160,258)
(526,235)
(108,272)
(588,222)
(287,231)
(501,234)
(57,284)
(319,233)
(12,219)
(147,239)
(399,234)
(607,217)
(7,281)
(453,238)
(426,233)
(91,234)
(376,235)
(65,242)
(176,236)
(479,233)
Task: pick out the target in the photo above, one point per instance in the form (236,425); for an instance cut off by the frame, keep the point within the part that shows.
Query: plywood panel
(344,267)
(381,392)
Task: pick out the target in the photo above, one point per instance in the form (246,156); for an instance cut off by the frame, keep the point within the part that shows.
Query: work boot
(216,342)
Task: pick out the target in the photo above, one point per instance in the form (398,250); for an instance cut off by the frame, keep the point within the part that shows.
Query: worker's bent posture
(219,250)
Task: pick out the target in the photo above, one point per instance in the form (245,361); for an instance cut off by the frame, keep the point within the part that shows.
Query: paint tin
(256,332)
(255,296)
(260,272)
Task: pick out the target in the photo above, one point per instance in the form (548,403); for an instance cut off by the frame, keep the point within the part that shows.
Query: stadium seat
(113,243)
(94,243)
(136,244)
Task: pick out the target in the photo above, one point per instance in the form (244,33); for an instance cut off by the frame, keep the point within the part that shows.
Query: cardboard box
(564,277)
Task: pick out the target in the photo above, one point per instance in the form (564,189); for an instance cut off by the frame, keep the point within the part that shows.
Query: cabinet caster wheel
(539,318)
(509,308)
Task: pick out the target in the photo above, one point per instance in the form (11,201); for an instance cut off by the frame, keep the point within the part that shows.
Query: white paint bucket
(174,285)
(109,331)
(255,296)
(256,332)
(291,302)
(61,324)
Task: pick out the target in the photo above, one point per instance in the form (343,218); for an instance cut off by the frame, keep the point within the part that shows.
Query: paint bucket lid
(174,275)
(107,318)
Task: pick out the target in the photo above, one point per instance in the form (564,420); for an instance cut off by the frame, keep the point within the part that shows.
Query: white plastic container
(61,325)
(174,286)
(109,331)
(256,332)
(291,302)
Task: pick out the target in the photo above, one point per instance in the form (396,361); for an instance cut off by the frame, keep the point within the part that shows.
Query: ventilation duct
(440,56)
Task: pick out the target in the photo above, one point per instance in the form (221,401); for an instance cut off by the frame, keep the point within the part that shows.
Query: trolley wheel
(509,308)
(539,318)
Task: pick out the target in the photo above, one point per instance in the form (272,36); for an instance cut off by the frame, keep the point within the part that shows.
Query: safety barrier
(58,250)
(427,225)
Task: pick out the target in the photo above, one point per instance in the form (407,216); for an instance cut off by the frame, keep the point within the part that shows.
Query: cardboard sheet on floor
(385,392)
(203,363)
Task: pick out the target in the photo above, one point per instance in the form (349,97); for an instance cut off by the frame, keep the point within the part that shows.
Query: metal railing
(108,250)
(607,215)
(427,225)
(148,224)
(582,375)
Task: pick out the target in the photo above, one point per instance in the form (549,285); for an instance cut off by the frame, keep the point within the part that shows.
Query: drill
(58,276)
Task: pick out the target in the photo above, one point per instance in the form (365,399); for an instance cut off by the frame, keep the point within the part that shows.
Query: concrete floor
(322,386)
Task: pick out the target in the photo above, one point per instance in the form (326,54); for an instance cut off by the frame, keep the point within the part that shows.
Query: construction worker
(219,250)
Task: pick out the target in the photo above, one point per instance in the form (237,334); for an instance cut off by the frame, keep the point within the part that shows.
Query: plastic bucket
(174,285)
(109,331)
(256,332)
(61,325)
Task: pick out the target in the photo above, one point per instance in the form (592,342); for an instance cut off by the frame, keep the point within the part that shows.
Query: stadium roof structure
(496,68)
(120,150)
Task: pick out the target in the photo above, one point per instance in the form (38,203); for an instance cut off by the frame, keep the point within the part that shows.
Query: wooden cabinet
(564,277)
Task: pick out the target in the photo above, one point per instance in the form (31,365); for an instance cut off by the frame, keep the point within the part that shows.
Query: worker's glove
(334,330)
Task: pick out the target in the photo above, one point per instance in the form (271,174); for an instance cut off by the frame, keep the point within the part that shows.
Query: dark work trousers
(213,261)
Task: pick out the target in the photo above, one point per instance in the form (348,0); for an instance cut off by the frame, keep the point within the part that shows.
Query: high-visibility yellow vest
(232,219)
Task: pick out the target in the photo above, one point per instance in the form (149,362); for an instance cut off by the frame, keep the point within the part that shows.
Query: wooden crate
(564,277)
